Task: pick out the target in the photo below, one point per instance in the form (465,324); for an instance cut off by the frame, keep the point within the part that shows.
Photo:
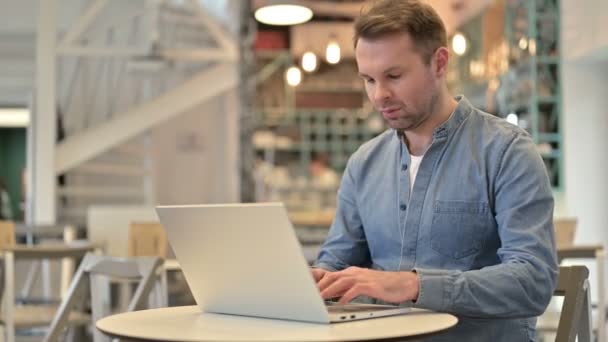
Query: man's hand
(318,273)
(392,287)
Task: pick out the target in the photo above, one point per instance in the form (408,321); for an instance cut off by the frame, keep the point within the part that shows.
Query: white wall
(195,155)
(585,96)
(584,26)
(585,116)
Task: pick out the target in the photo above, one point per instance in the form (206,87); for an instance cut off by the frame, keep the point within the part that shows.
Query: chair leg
(8,310)
(101,304)
(31,278)
(600,255)
(161,289)
(585,332)
(69,302)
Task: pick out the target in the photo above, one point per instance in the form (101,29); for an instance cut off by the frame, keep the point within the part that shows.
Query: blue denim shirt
(477,227)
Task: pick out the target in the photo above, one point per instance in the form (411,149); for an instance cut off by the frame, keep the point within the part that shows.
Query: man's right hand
(318,273)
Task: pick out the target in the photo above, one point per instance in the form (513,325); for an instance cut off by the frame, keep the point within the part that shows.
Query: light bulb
(293,76)
(309,61)
(513,119)
(332,52)
(459,44)
(523,43)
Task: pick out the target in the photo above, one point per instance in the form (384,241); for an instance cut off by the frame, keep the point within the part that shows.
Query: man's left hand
(392,287)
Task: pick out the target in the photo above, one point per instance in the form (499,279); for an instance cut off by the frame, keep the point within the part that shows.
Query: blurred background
(146,102)
(110,107)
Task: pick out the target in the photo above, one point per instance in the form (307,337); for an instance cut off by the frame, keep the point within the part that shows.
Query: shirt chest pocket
(459,228)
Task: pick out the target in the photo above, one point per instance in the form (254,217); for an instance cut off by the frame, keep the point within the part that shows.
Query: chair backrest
(565,229)
(575,317)
(34,253)
(147,239)
(7,234)
(7,239)
(91,268)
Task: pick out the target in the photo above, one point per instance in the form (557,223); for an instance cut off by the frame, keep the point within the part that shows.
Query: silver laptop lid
(243,259)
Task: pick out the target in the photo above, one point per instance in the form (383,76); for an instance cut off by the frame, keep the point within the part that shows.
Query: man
(451,209)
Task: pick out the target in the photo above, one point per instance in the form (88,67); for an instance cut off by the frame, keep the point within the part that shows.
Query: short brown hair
(414,17)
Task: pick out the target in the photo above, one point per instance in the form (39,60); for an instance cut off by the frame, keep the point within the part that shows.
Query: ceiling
(453,12)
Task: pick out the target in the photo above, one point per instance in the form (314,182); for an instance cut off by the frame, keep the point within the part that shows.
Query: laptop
(245,259)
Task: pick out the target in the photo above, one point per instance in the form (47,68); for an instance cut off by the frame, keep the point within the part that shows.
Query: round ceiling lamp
(283,13)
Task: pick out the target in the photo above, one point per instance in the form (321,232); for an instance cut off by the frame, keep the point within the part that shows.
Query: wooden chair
(574,319)
(7,234)
(147,239)
(150,239)
(93,276)
(7,239)
(565,230)
(23,316)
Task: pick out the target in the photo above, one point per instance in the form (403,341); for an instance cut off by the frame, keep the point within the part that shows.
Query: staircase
(124,71)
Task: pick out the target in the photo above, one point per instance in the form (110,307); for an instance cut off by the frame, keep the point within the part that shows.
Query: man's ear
(440,61)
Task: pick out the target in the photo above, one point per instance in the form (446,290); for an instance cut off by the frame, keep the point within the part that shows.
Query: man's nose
(381,93)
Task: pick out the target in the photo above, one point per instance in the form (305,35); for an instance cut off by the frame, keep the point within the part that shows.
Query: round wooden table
(187,323)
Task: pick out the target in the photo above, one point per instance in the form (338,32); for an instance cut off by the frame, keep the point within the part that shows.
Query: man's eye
(394,77)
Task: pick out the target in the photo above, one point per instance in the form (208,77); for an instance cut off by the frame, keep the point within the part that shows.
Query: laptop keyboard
(337,308)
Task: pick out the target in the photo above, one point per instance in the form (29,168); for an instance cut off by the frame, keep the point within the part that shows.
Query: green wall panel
(12,162)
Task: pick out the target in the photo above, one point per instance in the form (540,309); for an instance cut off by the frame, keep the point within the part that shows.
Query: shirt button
(403,167)
(402,206)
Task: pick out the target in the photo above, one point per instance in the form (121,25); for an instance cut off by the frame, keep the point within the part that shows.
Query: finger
(318,273)
(338,288)
(353,270)
(359,289)
(327,279)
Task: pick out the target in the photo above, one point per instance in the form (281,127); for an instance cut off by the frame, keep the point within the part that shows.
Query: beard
(412,118)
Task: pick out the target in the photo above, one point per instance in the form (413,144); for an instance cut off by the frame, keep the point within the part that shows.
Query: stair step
(118,159)
(110,169)
(131,149)
(101,191)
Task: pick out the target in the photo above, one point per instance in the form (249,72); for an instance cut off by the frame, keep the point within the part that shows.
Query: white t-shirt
(416,160)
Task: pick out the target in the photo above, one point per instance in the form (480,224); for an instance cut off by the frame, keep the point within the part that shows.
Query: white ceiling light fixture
(14,117)
(332,52)
(309,61)
(459,44)
(283,13)
(293,76)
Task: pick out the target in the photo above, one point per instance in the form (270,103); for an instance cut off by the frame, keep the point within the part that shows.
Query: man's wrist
(415,286)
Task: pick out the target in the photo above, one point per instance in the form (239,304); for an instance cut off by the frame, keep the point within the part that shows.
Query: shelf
(547,99)
(549,137)
(539,73)
(547,59)
(555,154)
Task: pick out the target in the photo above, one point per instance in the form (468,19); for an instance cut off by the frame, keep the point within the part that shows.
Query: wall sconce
(309,61)
(283,13)
(332,51)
